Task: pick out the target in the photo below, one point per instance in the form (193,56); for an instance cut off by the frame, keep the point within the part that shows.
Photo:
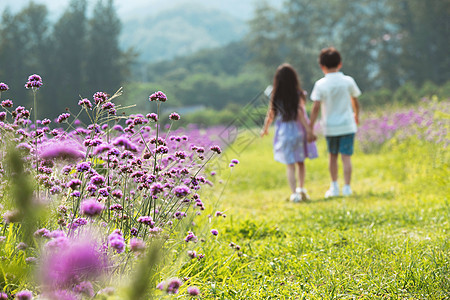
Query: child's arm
(355,105)
(314,114)
(310,137)
(267,122)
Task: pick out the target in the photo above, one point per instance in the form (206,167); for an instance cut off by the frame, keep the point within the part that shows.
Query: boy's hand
(355,115)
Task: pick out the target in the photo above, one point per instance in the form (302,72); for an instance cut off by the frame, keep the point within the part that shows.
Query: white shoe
(303,194)
(332,192)
(346,190)
(295,198)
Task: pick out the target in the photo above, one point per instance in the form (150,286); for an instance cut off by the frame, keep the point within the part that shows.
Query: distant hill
(179,31)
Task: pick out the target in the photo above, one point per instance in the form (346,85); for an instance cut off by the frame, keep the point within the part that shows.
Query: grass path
(390,240)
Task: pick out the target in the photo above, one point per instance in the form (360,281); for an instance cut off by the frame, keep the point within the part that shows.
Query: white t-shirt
(335,91)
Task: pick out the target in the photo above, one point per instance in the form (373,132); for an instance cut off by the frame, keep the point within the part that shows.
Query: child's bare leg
(333,167)
(347,166)
(291,177)
(301,174)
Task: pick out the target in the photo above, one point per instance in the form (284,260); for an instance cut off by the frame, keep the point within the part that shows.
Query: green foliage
(405,94)
(75,56)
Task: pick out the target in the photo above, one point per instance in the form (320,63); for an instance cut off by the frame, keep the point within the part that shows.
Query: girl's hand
(310,136)
(264,132)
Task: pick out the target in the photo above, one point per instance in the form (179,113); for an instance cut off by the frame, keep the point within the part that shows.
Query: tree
(104,58)
(69,40)
(266,39)
(25,49)
(423,36)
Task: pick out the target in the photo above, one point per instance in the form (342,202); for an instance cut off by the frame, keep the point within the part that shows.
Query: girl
(292,133)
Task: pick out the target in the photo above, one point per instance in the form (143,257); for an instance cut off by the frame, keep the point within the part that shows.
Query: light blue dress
(289,144)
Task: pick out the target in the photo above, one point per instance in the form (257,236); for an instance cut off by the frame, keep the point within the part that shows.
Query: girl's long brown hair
(286,93)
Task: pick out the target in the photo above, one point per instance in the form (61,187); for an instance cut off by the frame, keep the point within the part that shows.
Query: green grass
(390,240)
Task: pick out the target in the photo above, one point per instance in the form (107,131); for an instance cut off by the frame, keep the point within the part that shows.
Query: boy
(335,94)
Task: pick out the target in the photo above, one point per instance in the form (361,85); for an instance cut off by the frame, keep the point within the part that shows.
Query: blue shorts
(341,144)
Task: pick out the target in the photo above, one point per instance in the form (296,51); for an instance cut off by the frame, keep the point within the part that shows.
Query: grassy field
(390,240)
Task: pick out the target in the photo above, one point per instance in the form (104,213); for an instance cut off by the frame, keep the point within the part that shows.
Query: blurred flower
(116,241)
(91,207)
(193,291)
(22,246)
(181,191)
(173,285)
(191,237)
(85,288)
(24,295)
(137,245)
(65,150)
(126,143)
(214,232)
(158,96)
(75,261)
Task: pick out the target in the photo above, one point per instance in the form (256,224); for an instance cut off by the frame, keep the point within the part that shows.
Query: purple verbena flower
(126,143)
(216,149)
(7,103)
(191,237)
(158,96)
(174,116)
(66,150)
(181,191)
(100,97)
(91,207)
(173,286)
(3,87)
(24,295)
(84,288)
(74,183)
(75,262)
(97,180)
(137,245)
(85,102)
(34,82)
(147,220)
(62,117)
(116,241)
(152,116)
(193,291)
(214,232)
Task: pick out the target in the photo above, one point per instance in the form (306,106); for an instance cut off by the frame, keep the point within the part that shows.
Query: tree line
(384,43)
(76,56)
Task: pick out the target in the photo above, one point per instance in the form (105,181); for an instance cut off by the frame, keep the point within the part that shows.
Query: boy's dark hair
(329,57)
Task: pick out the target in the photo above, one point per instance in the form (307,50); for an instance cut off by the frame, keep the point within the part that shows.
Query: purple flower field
(108,190)
(429,122)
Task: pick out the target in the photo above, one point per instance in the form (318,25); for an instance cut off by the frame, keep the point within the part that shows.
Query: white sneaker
(346,190)
(295,198)
(332,192)
(303,194)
